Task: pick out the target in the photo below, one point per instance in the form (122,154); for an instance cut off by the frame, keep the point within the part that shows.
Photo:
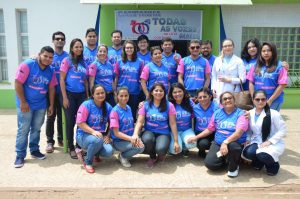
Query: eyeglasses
(195,47)
(260,99)
(203,97)
(59,39)
(227,98)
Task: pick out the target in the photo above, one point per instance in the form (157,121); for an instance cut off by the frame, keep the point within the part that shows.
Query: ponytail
(266,125)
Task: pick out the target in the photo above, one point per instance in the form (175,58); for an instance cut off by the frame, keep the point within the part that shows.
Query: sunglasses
(195,47)
(227,98)
(203,97)
(59,39)
(260,99)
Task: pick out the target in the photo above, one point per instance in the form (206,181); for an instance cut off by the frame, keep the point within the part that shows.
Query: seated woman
(92,134)
(265,143)
(122,125)
(159,116)
(229,125)
(184,111)
(203,111)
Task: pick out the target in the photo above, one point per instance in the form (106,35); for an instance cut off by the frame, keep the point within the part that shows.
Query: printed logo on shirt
(40,80)
(194,68)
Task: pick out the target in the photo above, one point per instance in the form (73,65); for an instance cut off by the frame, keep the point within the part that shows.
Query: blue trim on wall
(97,25)
(222,29)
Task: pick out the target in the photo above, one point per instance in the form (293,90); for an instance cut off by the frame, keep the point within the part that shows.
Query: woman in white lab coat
(265,141)
(228,71)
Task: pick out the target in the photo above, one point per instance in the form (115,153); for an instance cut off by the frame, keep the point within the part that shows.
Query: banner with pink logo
(158,24)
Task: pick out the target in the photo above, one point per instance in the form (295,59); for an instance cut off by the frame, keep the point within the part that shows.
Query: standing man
(170,58)
(143,53)
(206,47)
(194,70)
(59,41)
(34,79)
(115,51)
(90,50)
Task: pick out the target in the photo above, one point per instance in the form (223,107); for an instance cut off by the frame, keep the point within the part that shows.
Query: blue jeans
(29,123)
(126,148)
(276,106)
(183,136)
(94,147)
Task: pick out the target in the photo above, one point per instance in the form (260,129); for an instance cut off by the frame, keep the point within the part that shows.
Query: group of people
(132,100)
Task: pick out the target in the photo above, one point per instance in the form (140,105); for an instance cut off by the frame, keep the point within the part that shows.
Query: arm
(276,93)
(207,80)
(86,85)
(20,93)
(121,135)
(241,73)
(144,87)
(236,135)
(180,78)
(51,99)
(91,81)
(251,88)
(88,129)
(63,89)
(173,126)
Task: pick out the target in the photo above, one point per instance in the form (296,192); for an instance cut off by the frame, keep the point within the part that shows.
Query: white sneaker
(124,161)
(233,174)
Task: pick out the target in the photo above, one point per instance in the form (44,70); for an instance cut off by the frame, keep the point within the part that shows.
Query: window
(23,34)
(287,41)
(3,59)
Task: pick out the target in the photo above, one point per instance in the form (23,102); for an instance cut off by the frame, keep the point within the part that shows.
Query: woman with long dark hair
(92,132)
(265,143)
(74,88)
(269,75)
(184,112)
(158,116)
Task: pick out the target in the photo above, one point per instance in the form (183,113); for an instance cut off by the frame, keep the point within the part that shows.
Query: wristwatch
(226,142)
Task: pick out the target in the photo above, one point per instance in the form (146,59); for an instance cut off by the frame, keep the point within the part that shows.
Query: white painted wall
(236,17)
(44,17)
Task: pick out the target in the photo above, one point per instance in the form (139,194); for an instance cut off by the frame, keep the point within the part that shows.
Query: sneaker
(151,162)
(19,162)
(38,155)
(89,168)
(60,143)
(233,174)
(49,148)
(124,161)
(273,170)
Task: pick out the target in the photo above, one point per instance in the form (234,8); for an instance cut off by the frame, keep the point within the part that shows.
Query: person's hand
(50,110)
(66,103)
(141,104)
(265,144)
(224,79)
(214,93)
(285,65)
(139,143)
(247,115)
(176,57)
(176,147)
(24,107)
(192,139)
(134,139)
(97,134)
(224,149)
(106,139)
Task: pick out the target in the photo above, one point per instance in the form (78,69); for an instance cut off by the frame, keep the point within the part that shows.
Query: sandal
(89,168)
(73,155)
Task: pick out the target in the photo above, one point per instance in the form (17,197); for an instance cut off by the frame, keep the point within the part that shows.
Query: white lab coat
(235,70)
(278,131)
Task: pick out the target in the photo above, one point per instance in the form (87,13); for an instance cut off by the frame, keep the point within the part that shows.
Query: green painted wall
(210,22)
(7,100)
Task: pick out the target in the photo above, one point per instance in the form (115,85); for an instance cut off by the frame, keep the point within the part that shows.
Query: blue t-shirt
(158,74)
(269,82)
(226,125)
(156,121)
(211,61)
(170,62)
(104,74)
(248,65)
(146,58)
(183,117)
(129,75)
(89,55)
(95,119)
(36,85)
(75,76)
(194,72)
(126,122)
(114,55)
(55,66)
(202,116)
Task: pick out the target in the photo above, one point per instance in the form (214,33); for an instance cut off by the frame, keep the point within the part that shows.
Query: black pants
(233,157)
(155,143)
(204,143)
(75,100)
(50,122)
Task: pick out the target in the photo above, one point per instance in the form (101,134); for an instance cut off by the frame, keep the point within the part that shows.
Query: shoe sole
(18,165)
(40,158)
(49,151)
